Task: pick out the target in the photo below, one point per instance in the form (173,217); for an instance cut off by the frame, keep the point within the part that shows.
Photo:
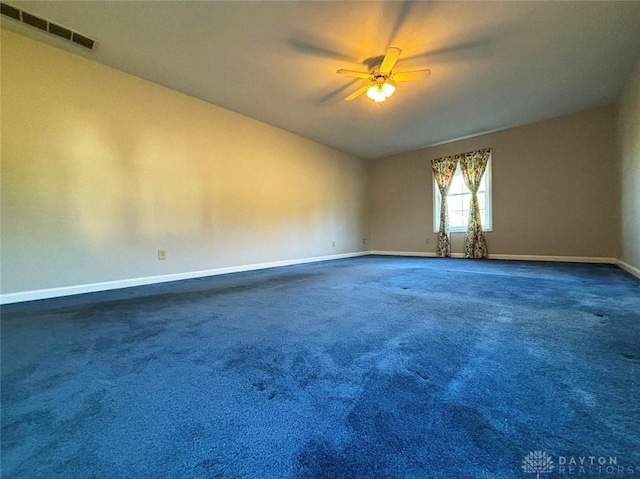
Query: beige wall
(629,131)
(555,190)
(101,169)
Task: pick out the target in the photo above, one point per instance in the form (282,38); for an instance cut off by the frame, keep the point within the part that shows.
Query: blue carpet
(371,367)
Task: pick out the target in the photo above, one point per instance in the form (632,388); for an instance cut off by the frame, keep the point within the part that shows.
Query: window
(459,202)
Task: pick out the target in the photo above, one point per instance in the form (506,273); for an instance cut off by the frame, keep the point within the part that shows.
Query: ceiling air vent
(60,31)
(47,26)
(34,21)
(10,11)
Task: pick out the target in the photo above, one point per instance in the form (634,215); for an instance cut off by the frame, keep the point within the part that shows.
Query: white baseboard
(628,268)
(404,253)
(422,254)
(128,283)
(517,257)
(560,259)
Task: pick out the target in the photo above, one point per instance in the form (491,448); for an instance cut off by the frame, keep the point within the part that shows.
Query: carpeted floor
(372,367)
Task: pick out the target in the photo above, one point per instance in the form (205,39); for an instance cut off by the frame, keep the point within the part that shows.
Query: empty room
(320,239)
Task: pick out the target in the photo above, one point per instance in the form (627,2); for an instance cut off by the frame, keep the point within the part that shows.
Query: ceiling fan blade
(357,93)
(353,73)
(390,59)
(414,75)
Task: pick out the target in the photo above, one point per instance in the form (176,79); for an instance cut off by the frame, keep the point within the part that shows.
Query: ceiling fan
(381,79)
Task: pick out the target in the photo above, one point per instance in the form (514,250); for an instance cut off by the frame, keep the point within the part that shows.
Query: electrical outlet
(162,254)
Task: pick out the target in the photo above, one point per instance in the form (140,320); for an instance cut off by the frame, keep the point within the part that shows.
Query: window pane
(455,189)
(456,218)
(454,202)
(481,200)
(457,184)
(466,202)
(483,184)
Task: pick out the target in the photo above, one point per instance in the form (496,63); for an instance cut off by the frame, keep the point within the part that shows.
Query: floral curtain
(473,166)
(443,171)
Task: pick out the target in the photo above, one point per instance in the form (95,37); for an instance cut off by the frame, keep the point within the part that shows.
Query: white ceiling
(494,64)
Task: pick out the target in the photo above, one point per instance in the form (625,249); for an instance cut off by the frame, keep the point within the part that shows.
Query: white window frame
(487,225)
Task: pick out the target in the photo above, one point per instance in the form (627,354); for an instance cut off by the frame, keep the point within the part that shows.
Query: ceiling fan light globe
(388,89)
(381,91)
(376,94)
